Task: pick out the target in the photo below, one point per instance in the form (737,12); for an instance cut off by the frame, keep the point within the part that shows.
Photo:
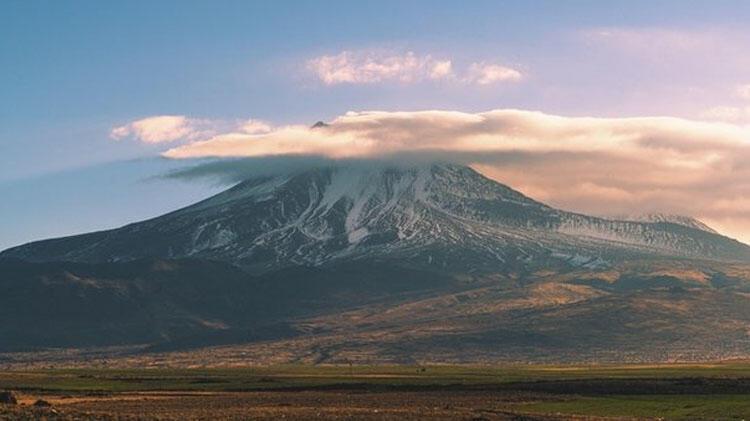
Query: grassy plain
(672,391)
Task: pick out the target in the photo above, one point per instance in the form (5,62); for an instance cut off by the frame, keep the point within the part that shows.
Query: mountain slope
(181,302)
(441,215)
(197,312)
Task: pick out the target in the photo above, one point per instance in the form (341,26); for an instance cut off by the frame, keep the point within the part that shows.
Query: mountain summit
(439,215)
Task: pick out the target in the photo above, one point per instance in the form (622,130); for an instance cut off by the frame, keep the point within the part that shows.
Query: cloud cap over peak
(595,165)
(373,133)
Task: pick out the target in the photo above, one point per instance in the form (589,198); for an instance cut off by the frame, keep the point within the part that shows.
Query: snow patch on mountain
(686,221)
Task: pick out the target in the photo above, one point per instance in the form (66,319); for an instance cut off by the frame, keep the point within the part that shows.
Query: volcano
(385,263)
(441,215)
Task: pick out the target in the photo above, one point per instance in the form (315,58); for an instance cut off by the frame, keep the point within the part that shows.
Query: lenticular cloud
(601,165)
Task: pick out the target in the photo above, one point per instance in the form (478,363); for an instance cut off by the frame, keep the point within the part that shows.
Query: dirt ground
(305,405)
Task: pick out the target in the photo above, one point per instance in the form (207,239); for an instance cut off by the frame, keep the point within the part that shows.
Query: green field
(711,391)
(650,406)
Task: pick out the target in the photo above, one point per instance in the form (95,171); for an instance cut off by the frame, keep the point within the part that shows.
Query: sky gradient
(93,94)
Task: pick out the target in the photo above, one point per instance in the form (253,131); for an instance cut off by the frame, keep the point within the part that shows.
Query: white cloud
(255,127)
(121,132)
(369,67)
(441,70)
(485,74)
(594,165)
(372,67)
(172,128)
(157,129)
(380,132)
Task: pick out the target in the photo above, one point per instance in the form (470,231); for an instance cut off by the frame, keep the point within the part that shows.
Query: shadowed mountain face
(372,264)
(154,301)
(444,216)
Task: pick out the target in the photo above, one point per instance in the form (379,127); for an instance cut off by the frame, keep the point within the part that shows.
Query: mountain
(439,215)
(378,264)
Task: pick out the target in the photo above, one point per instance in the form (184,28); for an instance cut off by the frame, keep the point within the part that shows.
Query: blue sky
(71,72)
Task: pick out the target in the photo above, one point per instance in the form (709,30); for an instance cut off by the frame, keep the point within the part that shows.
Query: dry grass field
(687,392)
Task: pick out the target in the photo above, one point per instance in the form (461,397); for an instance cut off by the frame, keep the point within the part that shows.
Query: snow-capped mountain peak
(442,215)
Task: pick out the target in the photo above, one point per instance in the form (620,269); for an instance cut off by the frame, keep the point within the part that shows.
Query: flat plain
(297,392)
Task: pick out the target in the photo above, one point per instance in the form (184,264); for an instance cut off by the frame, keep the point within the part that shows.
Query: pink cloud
(156,129)
(485,74)
(370,67)
(594,165)
(367,67)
